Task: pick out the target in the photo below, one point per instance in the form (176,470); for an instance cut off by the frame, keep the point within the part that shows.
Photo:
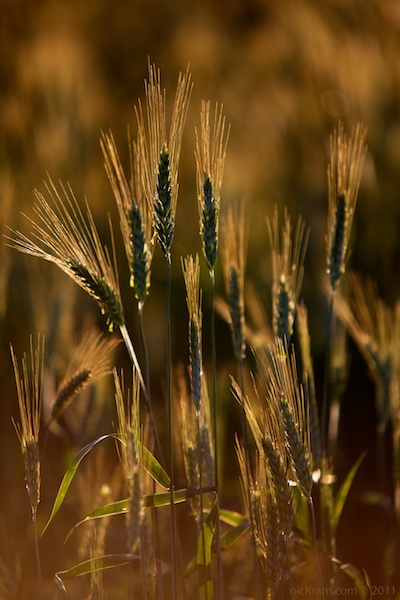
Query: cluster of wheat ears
(285,448)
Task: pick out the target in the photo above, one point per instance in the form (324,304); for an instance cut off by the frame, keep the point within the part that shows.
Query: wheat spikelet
(90,362)
(191,273)
(63,236)
(234,242)
(135,212)
(159,153)
(210,155)
(375,328)
(344,175)
(282,492)
(288,269)
(29,392)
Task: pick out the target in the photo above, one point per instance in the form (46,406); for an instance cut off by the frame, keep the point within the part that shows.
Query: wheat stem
(325,398)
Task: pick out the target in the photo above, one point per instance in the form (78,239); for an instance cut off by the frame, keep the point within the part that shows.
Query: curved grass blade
(121,507)
(69,475)
(99,563)
(204,552)
(154,469)
(341,496)
(231,517)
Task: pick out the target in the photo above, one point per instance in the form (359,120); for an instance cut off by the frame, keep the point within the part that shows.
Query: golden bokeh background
(285,73)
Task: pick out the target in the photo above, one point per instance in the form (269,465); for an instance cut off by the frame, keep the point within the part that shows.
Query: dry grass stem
(210,154)
(288,269)
(344,176)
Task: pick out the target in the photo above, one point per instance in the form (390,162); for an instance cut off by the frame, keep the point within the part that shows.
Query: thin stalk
(325,398)
(170,430)
(37,554)
(157,442)
(201,523)
(215,434)
(247,461)
(316,551)
(132,356)
(148,389)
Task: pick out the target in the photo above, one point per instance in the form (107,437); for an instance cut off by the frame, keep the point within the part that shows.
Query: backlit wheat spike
(129,427)
(64,236)
(135,212)
(191,273)
(308,378)
(89,363)
(29,385)
(210,155)
(375,328)
(159,151)
(288,253)
(344,176)
(234,249)
(287,394)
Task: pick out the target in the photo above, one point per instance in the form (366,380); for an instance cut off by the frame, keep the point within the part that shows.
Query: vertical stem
(316,551)
(247,461)
(215,435)
(37,554)
(170,431)
(325,400)
(199,457)
(132,356)
(147,378)
(157,442)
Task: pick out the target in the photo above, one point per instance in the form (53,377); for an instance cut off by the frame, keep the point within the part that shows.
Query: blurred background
(285,73)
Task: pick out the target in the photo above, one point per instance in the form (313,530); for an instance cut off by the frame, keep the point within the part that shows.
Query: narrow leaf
(204,553)
(231,517)
(343,492)
(99,563)
(70,474)
(153,467)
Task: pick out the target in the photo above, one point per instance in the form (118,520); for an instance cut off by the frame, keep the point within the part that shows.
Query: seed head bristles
(375,329)
(308,377)
(90,362)
(191,274)
(344,176)
(287,394)
(159,153)
(29,385)
(63,236)
(129,427)
(210,156)
(234,247)
(288,270)
(135,213)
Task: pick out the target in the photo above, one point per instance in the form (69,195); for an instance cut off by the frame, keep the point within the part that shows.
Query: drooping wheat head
(64,236)
(234,250)
(288,255)
(210,155)
(89,363)
(344,176)
(375,328)
(159,152)
(135,212)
